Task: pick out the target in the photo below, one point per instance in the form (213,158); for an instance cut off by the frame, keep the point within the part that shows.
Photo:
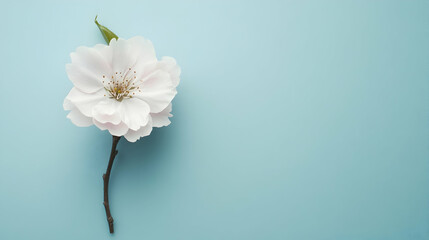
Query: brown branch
(106,178)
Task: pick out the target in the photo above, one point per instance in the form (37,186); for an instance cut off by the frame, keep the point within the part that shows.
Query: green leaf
(107,34)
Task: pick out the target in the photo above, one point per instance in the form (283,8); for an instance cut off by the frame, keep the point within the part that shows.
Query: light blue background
(294,120)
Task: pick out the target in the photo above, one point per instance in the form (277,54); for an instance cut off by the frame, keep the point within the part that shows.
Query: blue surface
(294,120)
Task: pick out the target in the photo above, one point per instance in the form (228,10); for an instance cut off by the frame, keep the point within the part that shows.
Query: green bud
(107,34)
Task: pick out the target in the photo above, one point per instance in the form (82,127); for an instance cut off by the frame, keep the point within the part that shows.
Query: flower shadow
(143,158)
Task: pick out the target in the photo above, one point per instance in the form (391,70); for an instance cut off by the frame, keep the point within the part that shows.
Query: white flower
(121,87)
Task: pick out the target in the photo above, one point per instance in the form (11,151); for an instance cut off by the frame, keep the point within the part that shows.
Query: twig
(106,178)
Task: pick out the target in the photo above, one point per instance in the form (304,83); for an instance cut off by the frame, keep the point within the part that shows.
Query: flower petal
(76,116)
(133,136)
(135,53)
(106,53)
(68,105)
(83,101)
(123,55)
(144,49)
(161,119)
(114,129)
(157,90)
(87,69)
(83,79)
(94,59)
(128,53)
(134,113)
(107,111)
(169,64)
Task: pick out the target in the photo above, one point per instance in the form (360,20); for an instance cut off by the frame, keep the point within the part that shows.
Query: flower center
(120,86)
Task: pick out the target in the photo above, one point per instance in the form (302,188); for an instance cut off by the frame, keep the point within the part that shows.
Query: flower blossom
(121,87)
